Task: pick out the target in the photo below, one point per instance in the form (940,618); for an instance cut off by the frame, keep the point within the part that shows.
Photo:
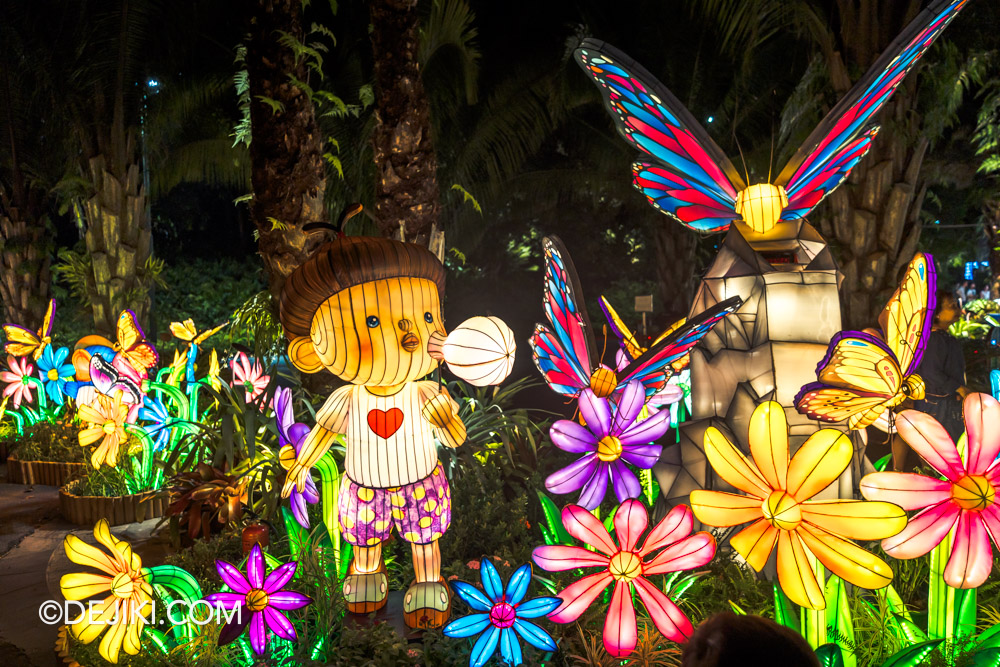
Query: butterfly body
(761,205)
(691,179)
(564,353)
(865,373)
(603,381)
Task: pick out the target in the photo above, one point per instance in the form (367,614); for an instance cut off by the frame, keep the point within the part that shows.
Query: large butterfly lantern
(692,180)
(566,353)
(863,373)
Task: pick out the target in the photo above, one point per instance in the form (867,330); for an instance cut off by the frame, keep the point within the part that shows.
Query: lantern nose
(761,206)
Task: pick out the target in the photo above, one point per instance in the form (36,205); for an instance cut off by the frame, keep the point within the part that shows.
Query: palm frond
(212,161)
(451,27)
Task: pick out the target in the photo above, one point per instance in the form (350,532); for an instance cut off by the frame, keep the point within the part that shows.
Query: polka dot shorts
(420,512)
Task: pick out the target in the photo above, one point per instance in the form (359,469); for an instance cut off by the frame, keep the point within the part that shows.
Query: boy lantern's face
(376,333)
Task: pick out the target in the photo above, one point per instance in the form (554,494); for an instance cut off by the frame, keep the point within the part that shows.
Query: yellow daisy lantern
(123,612)
(778,503)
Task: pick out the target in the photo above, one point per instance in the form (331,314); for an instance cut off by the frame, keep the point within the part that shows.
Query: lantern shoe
(427,605)
(366,592)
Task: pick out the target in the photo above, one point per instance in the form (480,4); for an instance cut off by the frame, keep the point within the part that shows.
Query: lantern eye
(372,321)
(428,318)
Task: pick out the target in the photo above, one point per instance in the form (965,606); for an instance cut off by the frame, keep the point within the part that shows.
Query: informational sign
(644,304)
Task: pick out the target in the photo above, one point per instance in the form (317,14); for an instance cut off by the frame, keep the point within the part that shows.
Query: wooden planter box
(88,510)
(51,473)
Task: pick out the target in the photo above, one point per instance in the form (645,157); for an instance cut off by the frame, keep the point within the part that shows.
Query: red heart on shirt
(384,423)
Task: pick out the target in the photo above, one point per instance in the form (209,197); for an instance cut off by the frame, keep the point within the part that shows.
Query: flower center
(973,492)
(782,510)
(109,427)
(609,448)
(625,566)
(603,382)
(248,385)
(122,586)
(53,375)
(256,599)
(26,380)
(502,615)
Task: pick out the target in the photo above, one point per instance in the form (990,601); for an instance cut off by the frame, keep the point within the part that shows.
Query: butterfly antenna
(770,159)
(604,348)
(743,159)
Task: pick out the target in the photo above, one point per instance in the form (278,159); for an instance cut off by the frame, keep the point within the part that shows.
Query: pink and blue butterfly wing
(565,353)
(651,368)
(836,145)
(807,193)
(561,372)
(692,179)
(674,194)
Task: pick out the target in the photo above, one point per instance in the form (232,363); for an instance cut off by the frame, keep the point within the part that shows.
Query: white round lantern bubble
(480,351)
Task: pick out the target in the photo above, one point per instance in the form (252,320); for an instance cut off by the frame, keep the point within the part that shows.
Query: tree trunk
(673,247)
(991,224)
(286,150)
(24,263)
(118,240)
(407,202)
(873,220)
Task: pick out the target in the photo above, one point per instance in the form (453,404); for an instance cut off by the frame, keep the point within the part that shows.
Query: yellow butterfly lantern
(134,356)
(630,344)
(186,331)
(22,341)
(132,346)
(865,373)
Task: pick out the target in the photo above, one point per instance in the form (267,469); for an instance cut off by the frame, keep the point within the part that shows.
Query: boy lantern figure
(366,309)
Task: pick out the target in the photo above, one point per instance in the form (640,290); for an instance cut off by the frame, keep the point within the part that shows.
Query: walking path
(32,560)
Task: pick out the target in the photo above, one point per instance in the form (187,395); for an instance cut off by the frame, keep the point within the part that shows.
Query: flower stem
(146,476)
(329,488)
(175,394)
(814,620)
(43,401)
(192,390)
(18,421)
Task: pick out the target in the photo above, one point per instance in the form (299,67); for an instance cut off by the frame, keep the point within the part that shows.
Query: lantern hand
(440,412)
(317,443)
(296,477)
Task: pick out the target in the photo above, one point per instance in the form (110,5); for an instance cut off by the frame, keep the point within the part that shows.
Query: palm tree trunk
(286,173)
(407,204)
(118,240)
(673,250)
(873,220)
(24,263)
